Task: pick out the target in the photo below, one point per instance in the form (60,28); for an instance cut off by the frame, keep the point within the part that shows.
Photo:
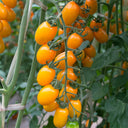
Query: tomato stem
(66,48)
(108,22)
(5,98)
(99,47)
(121,16)
(30,79)
(117,25)
(29,86)
(83,110)
(4,84)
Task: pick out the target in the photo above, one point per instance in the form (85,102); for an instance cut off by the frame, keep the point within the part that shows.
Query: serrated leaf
(116,110)
(120,80)
(84,45)
(124,118)
(120,40)
(123,96)
(33,122)
(107,58)
(98,91)
(114,105)
(88,74)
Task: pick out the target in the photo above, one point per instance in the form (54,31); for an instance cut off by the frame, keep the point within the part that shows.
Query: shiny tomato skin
(70,12)
(77,105)
(71,59)
(88,34)
(47,95)
(3,12)
(70,74)
(92,5)
(61,31)
(11,14)
(44,54)
(51,107)
(101,36)
(10,3)
(87,62)
(74,41)
(45,33)
(45,75)
(69,95)
(90,51)
(2,46)
(60,117)
(6,31)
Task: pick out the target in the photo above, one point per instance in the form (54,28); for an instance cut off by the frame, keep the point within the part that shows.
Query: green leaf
(23,85)
(120,80)
(123,96)
(2,74)
(116,120)
(33,122)
(84,45)
(120,40)
(87,74)
(113,105)
(116,110)
(50,123)
(124,118)
(107,58)
(98,90)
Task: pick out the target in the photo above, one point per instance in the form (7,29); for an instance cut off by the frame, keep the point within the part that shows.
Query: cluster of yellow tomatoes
(45,32)
(6,15)
(48,94)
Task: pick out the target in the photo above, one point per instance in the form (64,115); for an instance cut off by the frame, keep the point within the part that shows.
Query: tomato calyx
(85,10)
(97,19)
(75,98)
(61,103)
(77,52)
(57,84)
(95,29)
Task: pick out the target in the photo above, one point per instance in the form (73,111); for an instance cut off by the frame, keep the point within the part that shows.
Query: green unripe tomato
(74,124)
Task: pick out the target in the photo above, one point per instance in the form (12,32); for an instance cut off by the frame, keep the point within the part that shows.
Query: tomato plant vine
(78,64)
